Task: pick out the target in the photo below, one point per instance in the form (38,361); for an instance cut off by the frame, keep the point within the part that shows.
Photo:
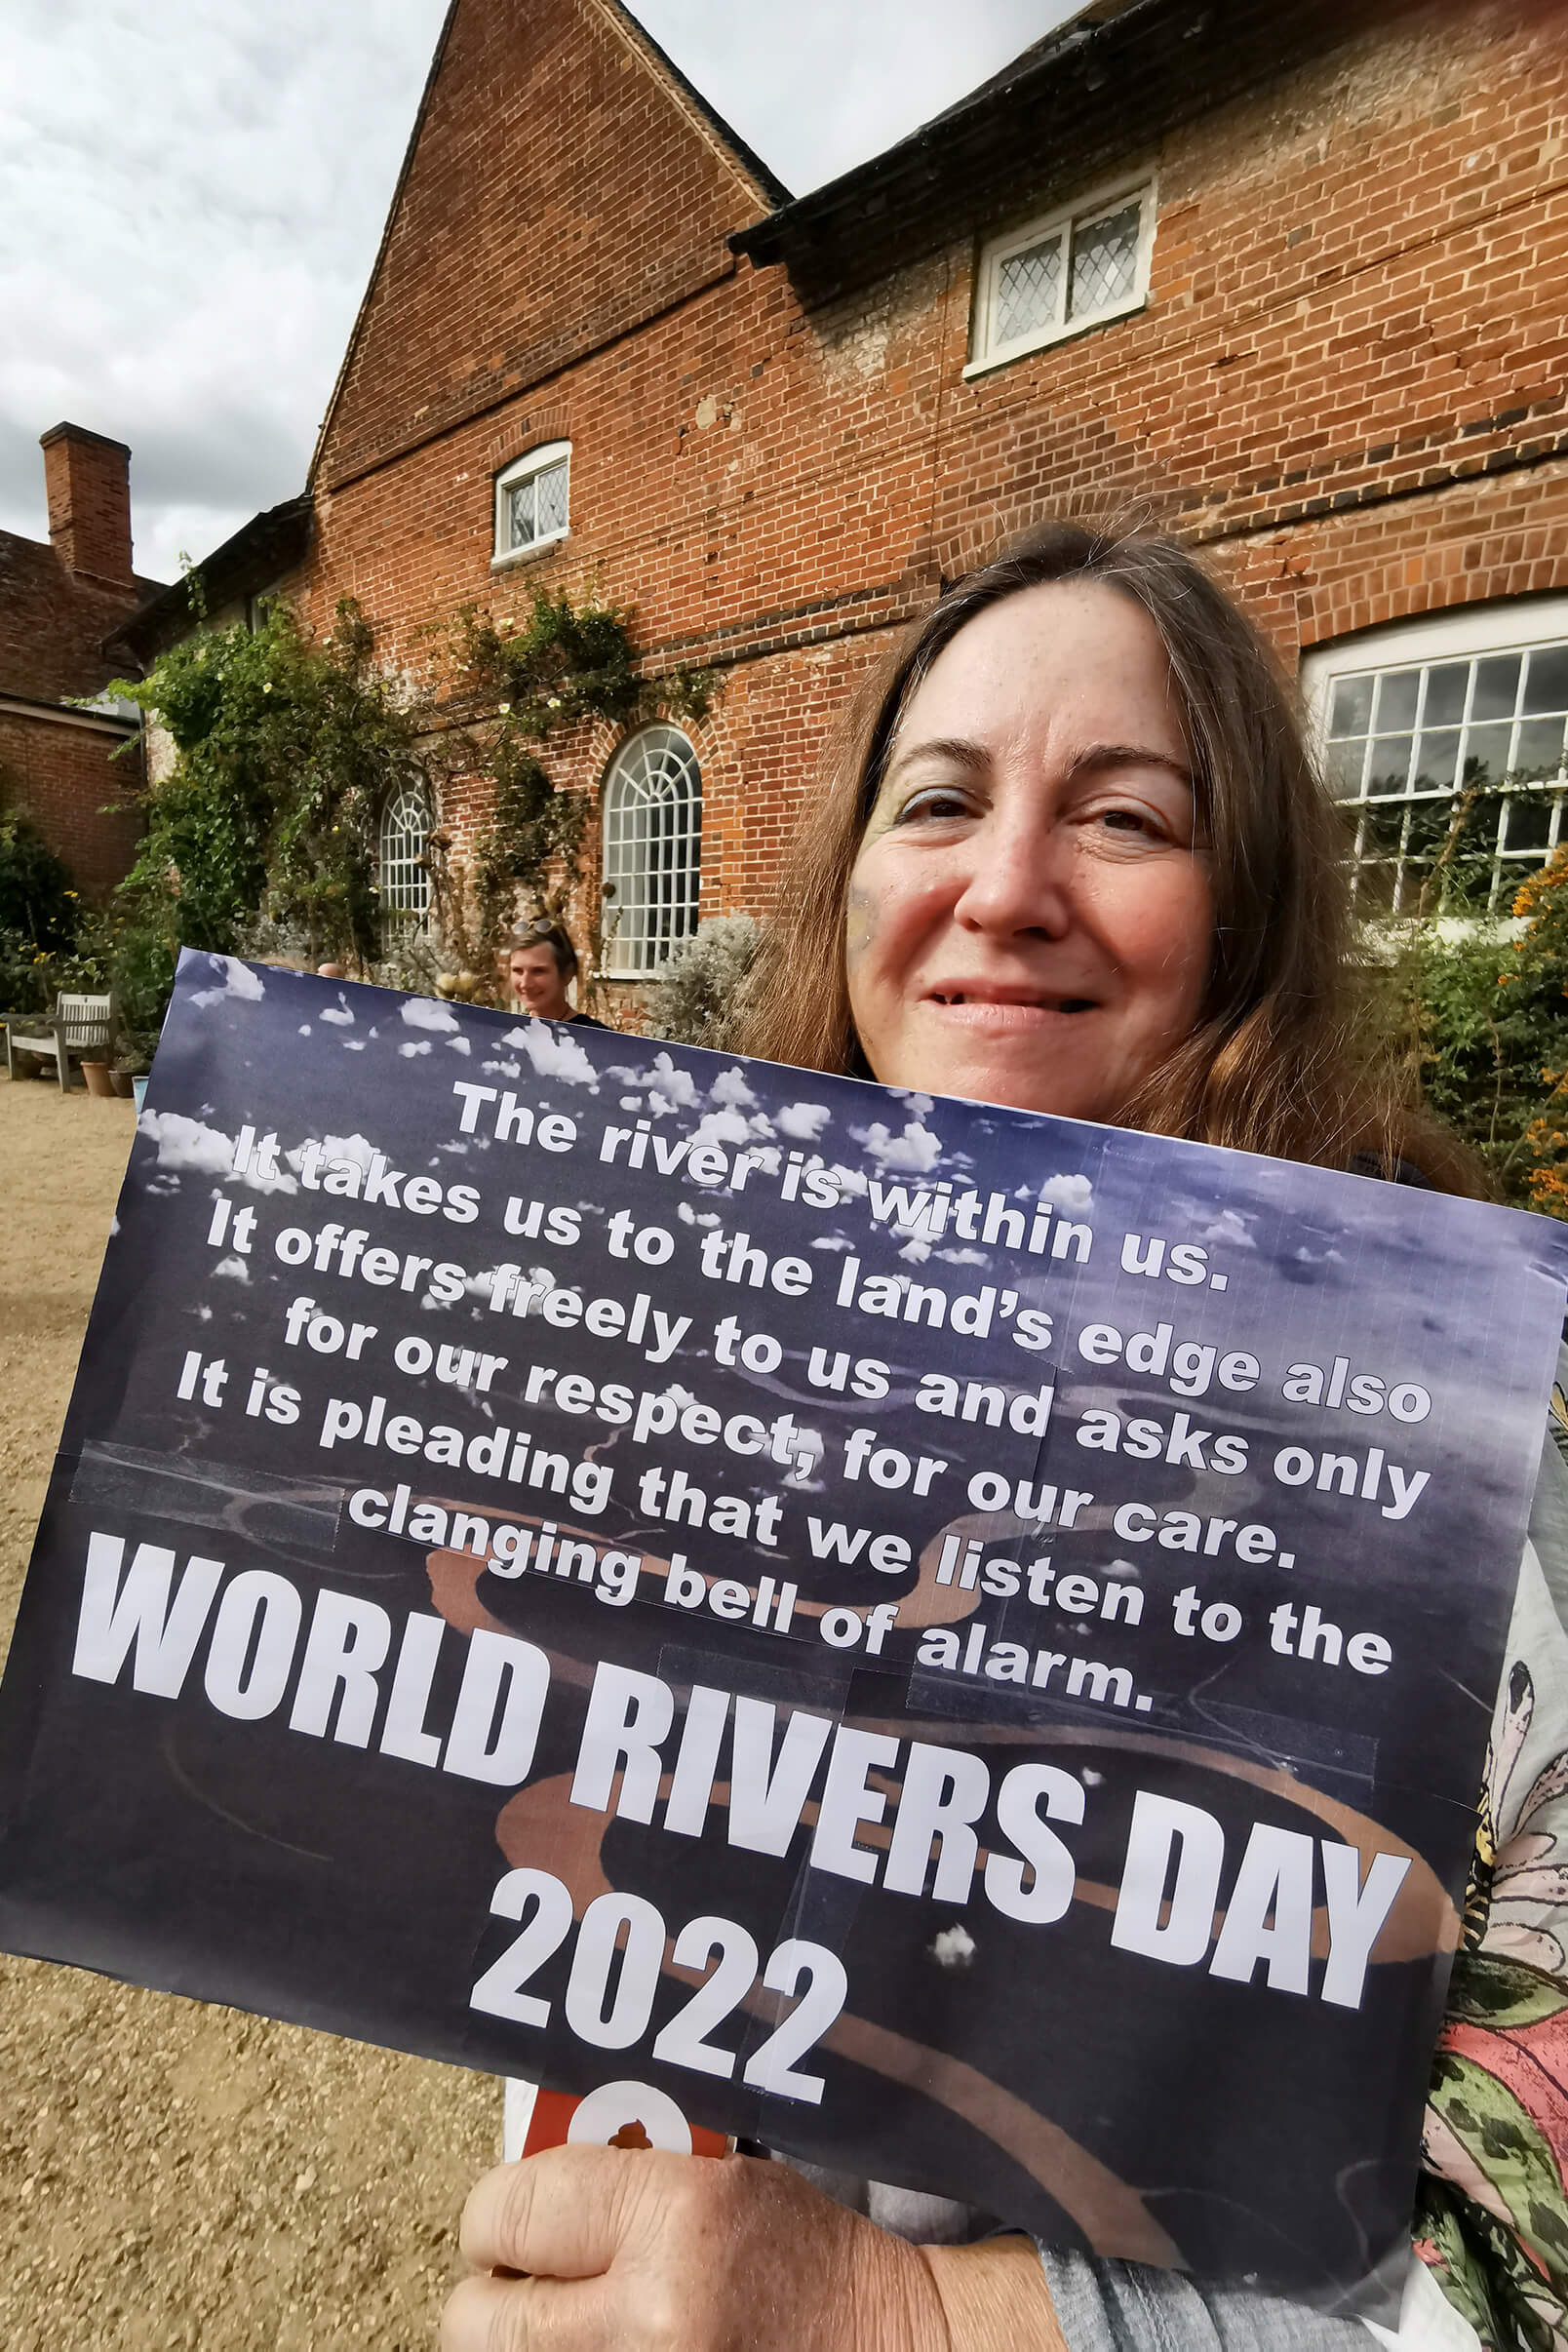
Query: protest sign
(955,1644)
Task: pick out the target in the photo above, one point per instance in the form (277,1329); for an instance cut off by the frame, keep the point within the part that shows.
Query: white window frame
(664,906)
(523,469)
(986,352)
(1466,633)
(401,919)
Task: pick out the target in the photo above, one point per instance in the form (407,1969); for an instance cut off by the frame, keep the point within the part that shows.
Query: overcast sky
(191,195)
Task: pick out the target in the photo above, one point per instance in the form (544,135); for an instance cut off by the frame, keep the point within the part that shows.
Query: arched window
(405,879)
(652,850)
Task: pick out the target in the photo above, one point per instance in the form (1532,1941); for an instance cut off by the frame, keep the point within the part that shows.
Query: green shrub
(692,1003)
(39,914)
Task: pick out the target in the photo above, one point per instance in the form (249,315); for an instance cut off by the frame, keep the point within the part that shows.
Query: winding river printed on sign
(955,1644)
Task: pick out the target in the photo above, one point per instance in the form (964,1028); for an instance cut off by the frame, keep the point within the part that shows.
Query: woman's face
(1030,919)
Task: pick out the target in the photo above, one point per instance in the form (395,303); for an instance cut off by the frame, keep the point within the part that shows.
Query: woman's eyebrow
(1095,758)
(955,750)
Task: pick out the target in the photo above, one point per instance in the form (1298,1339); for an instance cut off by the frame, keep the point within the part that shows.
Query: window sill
(1048,342)
(530,555)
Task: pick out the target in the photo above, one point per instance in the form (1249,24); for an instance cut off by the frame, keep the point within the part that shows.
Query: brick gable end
(560,189)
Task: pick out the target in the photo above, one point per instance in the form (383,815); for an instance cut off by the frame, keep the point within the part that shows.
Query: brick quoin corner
(1346,384)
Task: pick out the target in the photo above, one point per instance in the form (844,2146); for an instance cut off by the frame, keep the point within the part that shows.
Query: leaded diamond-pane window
(1029,291)
(1105,260)
(532,500)
(653,819)
(1073,270)
(1451,772)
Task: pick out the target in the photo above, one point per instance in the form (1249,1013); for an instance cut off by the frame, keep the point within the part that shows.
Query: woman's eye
(1128,820)
(937,801)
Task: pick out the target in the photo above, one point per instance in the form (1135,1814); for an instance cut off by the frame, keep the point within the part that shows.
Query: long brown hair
(1275,1062)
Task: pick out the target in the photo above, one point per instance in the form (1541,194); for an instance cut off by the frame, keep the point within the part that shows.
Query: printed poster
(954,1644)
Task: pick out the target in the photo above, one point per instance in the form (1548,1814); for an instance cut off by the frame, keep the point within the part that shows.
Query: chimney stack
(87,478)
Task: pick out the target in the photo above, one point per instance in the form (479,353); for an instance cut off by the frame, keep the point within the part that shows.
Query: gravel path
(170,2174)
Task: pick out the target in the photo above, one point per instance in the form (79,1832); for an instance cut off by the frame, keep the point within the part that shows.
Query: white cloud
(422,1045)
(185,231)
(730,1087)
(357,1148)
(962,1257)
(670,1089)
(232,1269)
(338,1015)
(238,980)
(426,1012)
(458,1044)
(804,1122)
(916,1251)
(1067,1192)
(1230,1228)
(189,1146)
(555,1053)
(915,1149)
(953,1948)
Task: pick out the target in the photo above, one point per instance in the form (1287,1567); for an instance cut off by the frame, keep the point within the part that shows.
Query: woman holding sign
(1073,859)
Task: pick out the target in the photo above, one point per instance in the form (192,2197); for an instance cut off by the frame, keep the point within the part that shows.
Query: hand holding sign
(990,1711)
(639,2253)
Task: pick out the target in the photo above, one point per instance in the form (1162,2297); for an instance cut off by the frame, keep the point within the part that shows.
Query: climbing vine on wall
(564,665)
(284,748)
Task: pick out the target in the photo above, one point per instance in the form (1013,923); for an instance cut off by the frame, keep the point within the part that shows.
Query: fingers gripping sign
(621,2251)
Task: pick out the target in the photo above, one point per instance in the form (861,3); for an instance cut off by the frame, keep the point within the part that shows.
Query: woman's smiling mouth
(1006,1007)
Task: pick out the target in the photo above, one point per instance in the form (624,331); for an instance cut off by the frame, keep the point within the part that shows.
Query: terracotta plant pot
(98,1079)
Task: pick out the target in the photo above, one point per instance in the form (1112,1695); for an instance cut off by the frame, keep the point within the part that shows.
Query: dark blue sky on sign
(188,217)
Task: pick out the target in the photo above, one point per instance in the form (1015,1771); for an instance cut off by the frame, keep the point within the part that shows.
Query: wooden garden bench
(80,1026)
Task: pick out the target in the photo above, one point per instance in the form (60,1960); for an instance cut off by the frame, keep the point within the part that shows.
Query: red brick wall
(561,190)
(1347,382)
(60,776)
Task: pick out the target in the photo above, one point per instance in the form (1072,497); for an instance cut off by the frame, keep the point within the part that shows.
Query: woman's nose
(1018,877)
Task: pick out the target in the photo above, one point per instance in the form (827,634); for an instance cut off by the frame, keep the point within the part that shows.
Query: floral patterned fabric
(1492,2208)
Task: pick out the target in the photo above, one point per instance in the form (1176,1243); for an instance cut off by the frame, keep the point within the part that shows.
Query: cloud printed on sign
(425,1012)
(338,1015)
(669,1089)
(1232,1228)
(554,1053)
(231,1270)
(357,1148)
(189,1146)
(502,1069)
(458,1044)
(802,1122)
(1067,1192)
(238,981)
(417,1045)
(915,1149)
(690,1216)
(962,1257)
(731,1087)
(916,1251)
